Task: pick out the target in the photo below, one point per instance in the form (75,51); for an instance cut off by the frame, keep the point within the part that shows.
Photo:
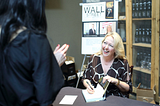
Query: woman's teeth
(106,51)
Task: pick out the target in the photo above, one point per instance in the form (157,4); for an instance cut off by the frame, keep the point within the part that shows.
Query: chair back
(131,69)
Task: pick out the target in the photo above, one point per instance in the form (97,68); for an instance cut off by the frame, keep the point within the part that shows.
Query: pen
(89,85)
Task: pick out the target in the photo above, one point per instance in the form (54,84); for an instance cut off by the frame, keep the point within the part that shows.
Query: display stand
(85,56)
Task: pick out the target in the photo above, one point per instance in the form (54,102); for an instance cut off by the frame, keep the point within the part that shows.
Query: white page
(99,91)
(68,99)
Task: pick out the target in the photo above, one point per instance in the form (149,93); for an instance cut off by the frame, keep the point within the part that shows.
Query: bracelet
(118,82)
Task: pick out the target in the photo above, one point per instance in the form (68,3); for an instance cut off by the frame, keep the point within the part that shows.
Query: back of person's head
(23,13)
(118,45)
(3,9)
(29,13)
(3,6)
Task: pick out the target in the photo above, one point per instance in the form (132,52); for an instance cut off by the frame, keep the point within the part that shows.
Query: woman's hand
(110,79)
(91,91)
(60,53)
(124,87)
(88,86)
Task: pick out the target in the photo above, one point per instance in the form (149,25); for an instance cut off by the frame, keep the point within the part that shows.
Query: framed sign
(90,29)
(106,27)
(93,11)
(100,11)
(110,10)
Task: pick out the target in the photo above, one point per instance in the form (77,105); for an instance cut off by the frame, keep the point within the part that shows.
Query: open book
(98,94)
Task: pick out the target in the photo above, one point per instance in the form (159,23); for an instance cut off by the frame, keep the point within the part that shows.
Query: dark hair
(3,6)
(3,9)
(27,13)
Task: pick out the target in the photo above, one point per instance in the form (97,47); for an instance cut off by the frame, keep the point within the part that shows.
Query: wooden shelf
(121,19)
(131,50)
(141,19)
(142,70)
(142,45)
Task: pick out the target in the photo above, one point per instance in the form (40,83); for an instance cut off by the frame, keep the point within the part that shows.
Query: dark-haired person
(29,72)
(110,63)
(3,9)
(59,52)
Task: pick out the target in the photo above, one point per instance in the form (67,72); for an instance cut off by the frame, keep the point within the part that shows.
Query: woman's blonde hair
(118,45)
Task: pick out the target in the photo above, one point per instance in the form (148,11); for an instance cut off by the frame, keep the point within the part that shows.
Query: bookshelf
(147,26)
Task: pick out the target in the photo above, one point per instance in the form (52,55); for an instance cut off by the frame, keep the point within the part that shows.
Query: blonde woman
(108,29)
(111,63)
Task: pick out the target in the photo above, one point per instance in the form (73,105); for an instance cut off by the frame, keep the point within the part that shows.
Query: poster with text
(93,11)
(91,45)
(97,19)
(100,11)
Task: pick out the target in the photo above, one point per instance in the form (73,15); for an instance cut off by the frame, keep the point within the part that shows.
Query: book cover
(103,85)
(110,10)
(98,94)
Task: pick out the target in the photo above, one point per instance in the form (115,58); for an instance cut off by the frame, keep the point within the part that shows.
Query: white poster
(91,45)
(100,11)
(97,18)
(93,11)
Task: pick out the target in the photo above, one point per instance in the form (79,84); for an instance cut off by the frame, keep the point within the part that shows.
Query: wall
(64,18)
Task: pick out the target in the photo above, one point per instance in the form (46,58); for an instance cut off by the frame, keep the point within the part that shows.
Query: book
(98,95)
(103,85)
(110,10)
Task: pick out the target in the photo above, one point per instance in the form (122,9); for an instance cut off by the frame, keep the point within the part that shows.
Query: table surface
(110,101)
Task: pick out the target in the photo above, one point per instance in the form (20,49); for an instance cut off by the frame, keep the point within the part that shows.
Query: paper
(98,95)
(68,99)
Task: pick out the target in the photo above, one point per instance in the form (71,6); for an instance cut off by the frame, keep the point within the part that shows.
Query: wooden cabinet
(142,41)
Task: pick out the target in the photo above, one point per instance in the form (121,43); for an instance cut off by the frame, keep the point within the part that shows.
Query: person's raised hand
(60,53)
